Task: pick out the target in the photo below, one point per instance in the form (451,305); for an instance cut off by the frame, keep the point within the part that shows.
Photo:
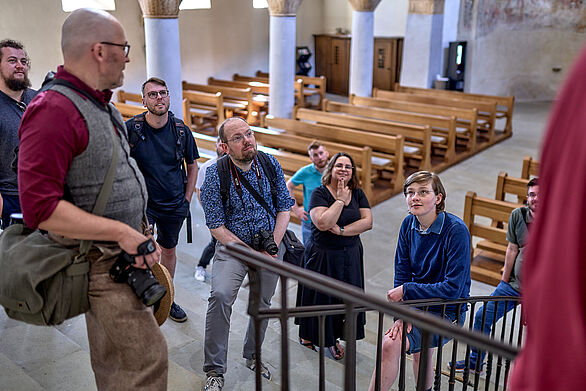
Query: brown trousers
(127,349)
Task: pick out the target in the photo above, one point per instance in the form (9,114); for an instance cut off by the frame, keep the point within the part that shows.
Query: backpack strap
(225,179)
(136,132)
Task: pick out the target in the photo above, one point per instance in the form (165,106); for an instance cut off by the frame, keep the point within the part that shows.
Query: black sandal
(307,344)
(336,351)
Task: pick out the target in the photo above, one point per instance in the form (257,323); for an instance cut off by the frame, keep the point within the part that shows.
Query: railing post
(379,351)
(284,336)
(403,358)
(322,364)
(423,361)
(253,310)
(350,355)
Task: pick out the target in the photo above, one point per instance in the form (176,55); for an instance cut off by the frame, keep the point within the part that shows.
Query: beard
(158,112)
(248,156)
(17,84)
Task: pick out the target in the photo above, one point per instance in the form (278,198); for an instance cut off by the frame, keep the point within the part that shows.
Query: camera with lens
(264,240)
(142,281)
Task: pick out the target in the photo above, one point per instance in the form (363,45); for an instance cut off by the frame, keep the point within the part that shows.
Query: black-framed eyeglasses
(421,193)
(125,46)
(154,94)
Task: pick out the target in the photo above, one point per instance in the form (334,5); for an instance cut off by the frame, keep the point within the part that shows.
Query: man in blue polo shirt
(310,177)
(160,143)
(432,261)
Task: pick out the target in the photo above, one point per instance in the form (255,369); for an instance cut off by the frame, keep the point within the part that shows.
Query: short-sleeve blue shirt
(310,178)
(244,217)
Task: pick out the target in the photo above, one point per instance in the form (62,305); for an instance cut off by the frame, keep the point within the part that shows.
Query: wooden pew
(124,96)
(311,86)
(511,185)
(505,104)
(237,101)
(486,110)
(387,155)
(418,147)
(488,256)
(202,110)
(530,168)
(256,86)
(128,111)
(300,91)
(294,143)
(466,119)
(443,128)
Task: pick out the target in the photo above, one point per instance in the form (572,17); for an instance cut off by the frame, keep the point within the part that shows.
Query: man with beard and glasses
(236,217)
(310,177)
(160,143)
(15,95)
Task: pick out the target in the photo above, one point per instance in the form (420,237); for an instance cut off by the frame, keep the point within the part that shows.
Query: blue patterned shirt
(243,217)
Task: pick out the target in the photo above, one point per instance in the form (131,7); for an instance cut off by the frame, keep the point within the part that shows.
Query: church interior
(510,57)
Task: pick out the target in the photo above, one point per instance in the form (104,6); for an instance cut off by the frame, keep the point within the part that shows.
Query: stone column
(422,52)
(163,53)
(282,56)
(362,46)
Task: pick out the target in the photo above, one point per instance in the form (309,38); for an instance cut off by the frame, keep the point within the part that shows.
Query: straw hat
(163,307)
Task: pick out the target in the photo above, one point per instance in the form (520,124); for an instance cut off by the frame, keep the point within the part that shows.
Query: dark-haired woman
(339,212)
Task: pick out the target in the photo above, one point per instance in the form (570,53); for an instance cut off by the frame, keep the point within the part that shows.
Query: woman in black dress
(339,213)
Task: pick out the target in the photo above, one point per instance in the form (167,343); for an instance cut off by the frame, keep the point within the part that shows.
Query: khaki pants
(127,349)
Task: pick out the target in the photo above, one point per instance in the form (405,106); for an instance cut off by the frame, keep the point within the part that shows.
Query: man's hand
(266,253)
(300,212)
(397,329)
(396,294)
(130,243)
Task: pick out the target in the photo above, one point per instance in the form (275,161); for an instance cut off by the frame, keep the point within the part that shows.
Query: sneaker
(177,314)
(200,273)
(461,365)
(264,371)
(214,382)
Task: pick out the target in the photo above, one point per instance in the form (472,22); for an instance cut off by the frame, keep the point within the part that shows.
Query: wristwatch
(341,231)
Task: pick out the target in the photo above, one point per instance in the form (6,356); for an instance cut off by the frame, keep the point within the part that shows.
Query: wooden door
(383,75)
(339,74)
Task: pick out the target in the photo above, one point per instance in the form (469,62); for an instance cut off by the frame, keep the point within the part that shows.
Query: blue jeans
(503,289)
(305,232)
(11,205)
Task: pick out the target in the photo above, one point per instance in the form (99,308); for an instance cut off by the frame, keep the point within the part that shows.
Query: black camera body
(141,281)
(264,240)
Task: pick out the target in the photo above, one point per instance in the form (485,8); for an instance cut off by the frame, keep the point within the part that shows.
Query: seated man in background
(510,285)
(432,261)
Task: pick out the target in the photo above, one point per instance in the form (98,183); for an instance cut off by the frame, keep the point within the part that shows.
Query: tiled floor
(44,358)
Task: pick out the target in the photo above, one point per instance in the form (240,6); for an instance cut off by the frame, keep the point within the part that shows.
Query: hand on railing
(396,294)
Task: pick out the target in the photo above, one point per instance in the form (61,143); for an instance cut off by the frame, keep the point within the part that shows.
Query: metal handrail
(356,300)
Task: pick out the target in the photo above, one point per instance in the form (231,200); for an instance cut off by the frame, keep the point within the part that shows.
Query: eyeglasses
(13,61)
(122,45)
(341,166)
(238,138)
(154,94)
(421,193)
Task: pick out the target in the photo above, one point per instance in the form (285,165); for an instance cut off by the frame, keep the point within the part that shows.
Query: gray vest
(127,202)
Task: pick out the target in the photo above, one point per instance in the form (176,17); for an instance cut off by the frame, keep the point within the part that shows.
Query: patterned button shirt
(244,216)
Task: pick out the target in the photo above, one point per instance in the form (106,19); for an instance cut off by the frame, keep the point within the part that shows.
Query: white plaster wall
(390,18)
(231,37)
(523,65)
(336,13)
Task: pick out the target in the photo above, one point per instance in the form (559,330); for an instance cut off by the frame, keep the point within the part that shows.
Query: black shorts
(168,225)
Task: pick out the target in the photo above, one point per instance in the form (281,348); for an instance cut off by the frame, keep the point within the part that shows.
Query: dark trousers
(11,204)
(208,253)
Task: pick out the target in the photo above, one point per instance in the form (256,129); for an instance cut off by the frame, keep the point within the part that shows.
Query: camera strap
(250,188)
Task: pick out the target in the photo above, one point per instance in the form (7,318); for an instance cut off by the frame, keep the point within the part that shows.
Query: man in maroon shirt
(127,349)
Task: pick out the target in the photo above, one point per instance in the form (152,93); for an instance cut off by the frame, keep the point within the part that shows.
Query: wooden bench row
(487,220)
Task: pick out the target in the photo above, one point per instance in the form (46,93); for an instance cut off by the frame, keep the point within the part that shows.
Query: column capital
(284,7)
(426,6)
(364,5)
(160,9)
